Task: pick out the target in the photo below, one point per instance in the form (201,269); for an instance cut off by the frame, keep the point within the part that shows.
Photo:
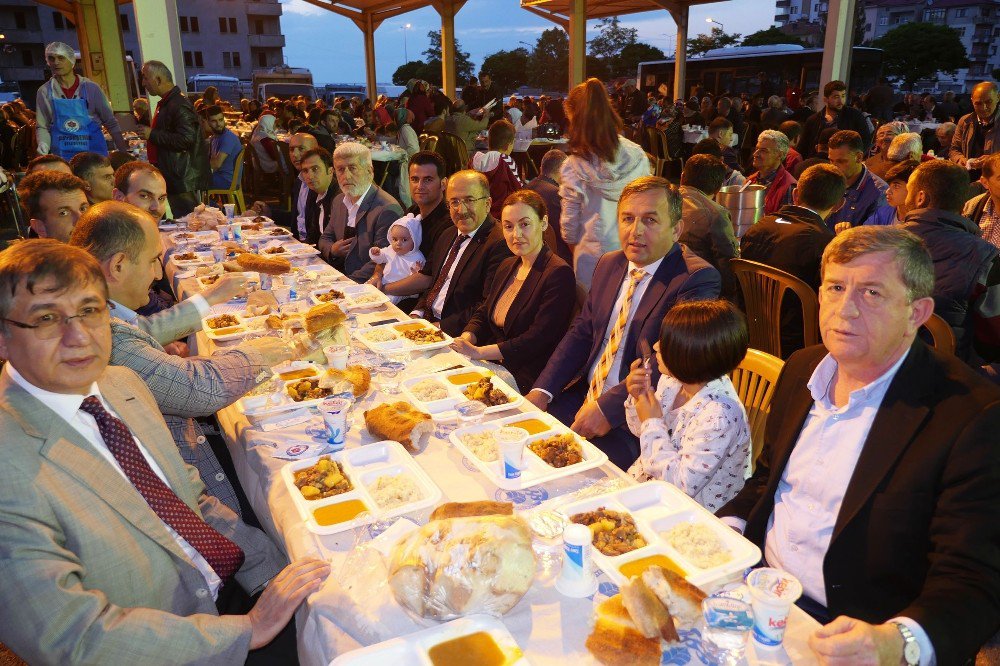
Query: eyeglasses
(455,204)
(51,325)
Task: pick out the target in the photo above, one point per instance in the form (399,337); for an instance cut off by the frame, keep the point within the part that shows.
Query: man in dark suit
(793,240)
(583,383)
(460,269)
(879,482)
(837,113)
(361,214)
(547,186)
(295,219)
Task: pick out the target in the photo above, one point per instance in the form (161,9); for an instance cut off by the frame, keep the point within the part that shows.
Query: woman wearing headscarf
(406,137)
(265,144)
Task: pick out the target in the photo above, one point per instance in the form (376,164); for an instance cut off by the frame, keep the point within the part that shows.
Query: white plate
(356,296)
(363,465)
(657,506)
(204,258)
(399,343)
(243,328)
(267,234)
(250,276)
(455,395)
(169,227)
(256,406)
(412,649)
(194,236)
(249,219)
(535,470)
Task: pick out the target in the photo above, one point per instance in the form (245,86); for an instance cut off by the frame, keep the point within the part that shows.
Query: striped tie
(608,357)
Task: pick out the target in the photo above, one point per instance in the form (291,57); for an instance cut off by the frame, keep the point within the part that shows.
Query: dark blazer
(682,276)
(377,213)
(850,119)
(537,319)
(919,525)
(181,151)
(473,275)
(290,218)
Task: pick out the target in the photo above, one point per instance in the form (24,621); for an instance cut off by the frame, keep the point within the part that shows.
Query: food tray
(207,236)
(535,469)
(204,258)
(363,466)
(400,344)
(448,381)
(267,234)
(356,296)
(244,327)
(657,506)
(250,276)
(293,250)
(254,406)
(249,219)
(413,649)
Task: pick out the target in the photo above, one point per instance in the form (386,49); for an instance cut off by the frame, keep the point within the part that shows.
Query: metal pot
(745,207)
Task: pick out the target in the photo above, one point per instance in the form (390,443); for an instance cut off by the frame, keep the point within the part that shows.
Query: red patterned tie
(435,290)
(224,556)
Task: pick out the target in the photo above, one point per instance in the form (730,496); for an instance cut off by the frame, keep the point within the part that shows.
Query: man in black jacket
(174,142)
(837,114)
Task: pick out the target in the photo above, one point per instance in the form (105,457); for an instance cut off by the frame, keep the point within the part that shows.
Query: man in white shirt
(879,482)
(95,572)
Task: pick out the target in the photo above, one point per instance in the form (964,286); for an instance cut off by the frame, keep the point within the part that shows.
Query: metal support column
(370,80)
(577,42)
(837,45)
(160,38)
(680,57)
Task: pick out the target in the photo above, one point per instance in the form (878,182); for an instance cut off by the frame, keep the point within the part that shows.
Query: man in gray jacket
(977,133)
(123,238)
(706,228)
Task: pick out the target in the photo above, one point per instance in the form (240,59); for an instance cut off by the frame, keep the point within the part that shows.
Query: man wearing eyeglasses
(110,551)
(461,266)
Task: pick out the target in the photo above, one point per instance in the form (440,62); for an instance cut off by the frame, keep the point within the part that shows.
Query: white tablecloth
(550,628)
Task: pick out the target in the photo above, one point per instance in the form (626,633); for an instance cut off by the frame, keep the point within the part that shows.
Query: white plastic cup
(230,210)
(772,593)
(511,442)
(336,356)
(219,254)
(334,411)
(576,579)
(281,294)
(225,232)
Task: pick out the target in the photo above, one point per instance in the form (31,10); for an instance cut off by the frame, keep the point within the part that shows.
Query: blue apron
(73,130)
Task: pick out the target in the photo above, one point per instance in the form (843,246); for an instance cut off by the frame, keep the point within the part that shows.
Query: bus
(229,87)
(753,69)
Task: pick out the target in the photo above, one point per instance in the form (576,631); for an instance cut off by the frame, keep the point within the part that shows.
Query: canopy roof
(560,9)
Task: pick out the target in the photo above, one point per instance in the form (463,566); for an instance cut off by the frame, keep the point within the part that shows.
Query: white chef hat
(63,49)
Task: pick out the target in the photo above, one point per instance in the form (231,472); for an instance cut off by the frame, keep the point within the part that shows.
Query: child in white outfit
(402,258)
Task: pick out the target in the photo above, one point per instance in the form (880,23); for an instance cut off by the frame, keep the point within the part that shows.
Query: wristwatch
(911,648)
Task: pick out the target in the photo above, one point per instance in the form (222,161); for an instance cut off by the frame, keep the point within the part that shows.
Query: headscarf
(402,113)
(61,48)
(892,129)
(411,223)
(264,128)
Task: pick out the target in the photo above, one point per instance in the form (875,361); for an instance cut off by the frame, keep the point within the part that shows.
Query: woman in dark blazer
(530,302)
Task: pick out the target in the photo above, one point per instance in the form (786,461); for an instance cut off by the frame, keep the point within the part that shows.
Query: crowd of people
(605,291)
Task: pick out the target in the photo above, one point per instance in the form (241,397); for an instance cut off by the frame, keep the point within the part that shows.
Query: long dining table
(354,607)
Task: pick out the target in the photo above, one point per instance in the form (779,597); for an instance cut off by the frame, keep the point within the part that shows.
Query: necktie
(224,556)
(435,289)
(608,357)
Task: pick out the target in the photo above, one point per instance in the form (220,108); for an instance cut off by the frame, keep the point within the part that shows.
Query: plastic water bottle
(727,626)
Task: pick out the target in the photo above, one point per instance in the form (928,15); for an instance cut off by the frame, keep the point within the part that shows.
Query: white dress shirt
(130,316)
(67,407)
(300,208)
(437,307)
(353,207)
(812,486)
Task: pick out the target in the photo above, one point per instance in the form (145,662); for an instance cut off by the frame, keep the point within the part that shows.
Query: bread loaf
(467,509)
(359,376)
(650,615)
(616,641)
(323,316)
(459,566)
(676,593)
(259,264)
(401,422)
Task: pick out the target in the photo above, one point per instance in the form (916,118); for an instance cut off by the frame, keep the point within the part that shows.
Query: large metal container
(745,207)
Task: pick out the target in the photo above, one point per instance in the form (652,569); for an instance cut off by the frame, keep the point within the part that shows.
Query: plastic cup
(336,356)
(388,375)
(230,210)
(511,442)
(219,254)
(281,294)
(225,232)
(334,411)
(728,622)
(772,593)
(470,411)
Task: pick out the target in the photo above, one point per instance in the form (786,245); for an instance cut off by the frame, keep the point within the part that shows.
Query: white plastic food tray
(455,395)
(249,276)
(204,258)
(412,649)
(267,233)
(207,236)
(356,296)
(535,470)
(657,506)
(399,343)
(363,466)
(242,324)
(257,405)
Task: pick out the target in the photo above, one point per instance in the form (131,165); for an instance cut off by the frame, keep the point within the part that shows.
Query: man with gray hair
(977,133)
(943,136)
(461,123)
(547,186)
(768,160)
(175,142)
(906,146)
(877,486)
(71,109)
(361,214)
(879,163)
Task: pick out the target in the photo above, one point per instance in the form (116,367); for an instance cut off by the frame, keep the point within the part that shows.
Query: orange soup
(297,374)
(408,327)
(478,648)
(339,513)
(227,330)
(636,567)
(466,378)
(533,426)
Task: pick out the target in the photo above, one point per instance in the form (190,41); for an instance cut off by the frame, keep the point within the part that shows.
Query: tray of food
(349,296)
(207,236)
(189,258)
(338,491)
(210,279)
(223,327)
(656,523)
(249,232)
(288,249)
(254,222)
(439,392)
(407,336)
(303,384)
(553,451)
(480,639)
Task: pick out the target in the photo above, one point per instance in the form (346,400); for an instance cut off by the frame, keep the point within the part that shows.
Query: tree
(915,51)
(611,39)
(550,60)
(431,70)
(772,35)
(509,69)
(633,54)
(718,39)
(414,69)
(598,68)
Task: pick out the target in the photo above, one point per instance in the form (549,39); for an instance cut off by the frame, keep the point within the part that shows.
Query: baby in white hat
(403,257)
